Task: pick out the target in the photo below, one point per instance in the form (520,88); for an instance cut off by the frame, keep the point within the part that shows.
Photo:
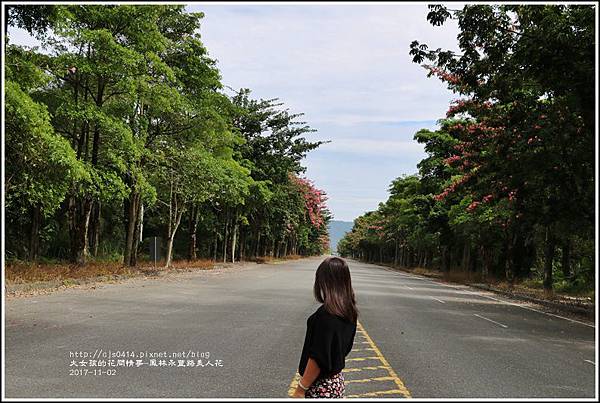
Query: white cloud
(321,58)
(375,147)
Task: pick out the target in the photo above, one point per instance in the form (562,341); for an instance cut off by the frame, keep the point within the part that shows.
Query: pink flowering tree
(312,223)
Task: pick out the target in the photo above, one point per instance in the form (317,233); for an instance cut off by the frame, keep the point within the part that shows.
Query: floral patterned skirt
(332,386)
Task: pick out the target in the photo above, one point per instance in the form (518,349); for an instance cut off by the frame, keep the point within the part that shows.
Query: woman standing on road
(330,332)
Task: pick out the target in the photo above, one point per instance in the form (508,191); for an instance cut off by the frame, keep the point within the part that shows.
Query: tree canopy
(510,171)
(121,129)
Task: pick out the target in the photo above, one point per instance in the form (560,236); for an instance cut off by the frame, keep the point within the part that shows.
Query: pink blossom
(473,206)
(450,160)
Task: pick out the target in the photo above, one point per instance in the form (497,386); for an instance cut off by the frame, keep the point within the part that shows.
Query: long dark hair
(333,288)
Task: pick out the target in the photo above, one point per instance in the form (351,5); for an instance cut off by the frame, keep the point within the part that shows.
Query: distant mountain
(337,229)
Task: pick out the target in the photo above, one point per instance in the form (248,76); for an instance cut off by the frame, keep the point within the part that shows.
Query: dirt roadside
(30,289)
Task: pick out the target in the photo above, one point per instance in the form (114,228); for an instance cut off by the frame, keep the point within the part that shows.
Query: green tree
(528,74)
(140,133)
(39,163)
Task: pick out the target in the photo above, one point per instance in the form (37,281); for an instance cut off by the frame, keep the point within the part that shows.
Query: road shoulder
(570,312)
(32,289)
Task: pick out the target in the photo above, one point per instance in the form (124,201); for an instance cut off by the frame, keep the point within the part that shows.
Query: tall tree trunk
(139,231)
(508,272)
(566,259)
(93,219)
(445,259)
(34,234)
(257,251)
(79,217)
(401,257)
(131,209)
(486,257)
(549,250)
(508,260)
(192,229)
(216,246)
(466,256)
(243,236)
(233,241)
(79,208)
(171,237)
(94,234)
(225,237)
(169,250)
(176,211)
(295,245)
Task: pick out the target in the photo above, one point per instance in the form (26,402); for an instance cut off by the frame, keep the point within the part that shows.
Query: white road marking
(439,300)
(498,300)
(591,362)
(410,288)
(493,321)
(537,310)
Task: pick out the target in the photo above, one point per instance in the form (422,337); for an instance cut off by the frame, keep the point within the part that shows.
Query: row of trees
(507,187)
(120,130)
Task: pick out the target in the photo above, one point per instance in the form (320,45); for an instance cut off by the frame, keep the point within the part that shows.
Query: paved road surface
(416,338)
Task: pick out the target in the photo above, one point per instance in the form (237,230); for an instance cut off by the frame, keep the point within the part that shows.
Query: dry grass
(291,257)
(198,264)
(21,272)
(468,277)
(425,272)
(270,259)
(17,273)
(542,294)
(454,276)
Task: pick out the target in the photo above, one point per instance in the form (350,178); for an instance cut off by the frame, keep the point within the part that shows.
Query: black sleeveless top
(329,339)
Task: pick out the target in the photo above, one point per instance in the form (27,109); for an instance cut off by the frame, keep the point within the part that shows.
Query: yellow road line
(362,358)
(381,392)
(356,350)
(403,390)
(294,384)
(363,368)
(379,378)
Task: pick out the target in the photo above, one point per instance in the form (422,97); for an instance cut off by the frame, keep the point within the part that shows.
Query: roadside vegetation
(506,190)
(119,129)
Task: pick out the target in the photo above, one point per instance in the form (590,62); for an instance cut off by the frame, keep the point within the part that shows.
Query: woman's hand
(299,393)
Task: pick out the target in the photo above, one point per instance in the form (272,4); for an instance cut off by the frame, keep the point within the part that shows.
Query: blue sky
(347,67)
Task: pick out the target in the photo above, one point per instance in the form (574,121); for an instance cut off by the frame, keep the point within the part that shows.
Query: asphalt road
(417,338)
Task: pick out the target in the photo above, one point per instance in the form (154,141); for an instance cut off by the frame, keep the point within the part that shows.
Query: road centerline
(401,387)
(392,376)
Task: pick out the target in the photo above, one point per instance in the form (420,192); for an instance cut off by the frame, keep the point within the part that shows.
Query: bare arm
(311,373)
